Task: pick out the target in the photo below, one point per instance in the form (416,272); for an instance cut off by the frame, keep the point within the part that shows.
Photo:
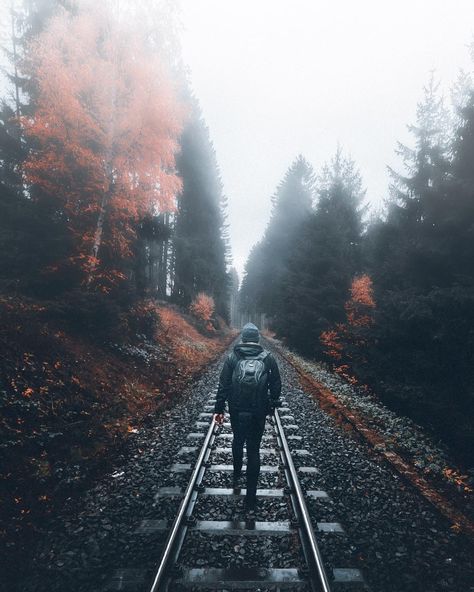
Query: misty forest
(120,298)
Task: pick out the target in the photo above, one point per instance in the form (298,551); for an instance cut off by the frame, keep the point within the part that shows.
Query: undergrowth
(77,377)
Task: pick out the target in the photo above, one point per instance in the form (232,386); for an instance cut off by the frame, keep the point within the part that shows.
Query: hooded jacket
(224,391)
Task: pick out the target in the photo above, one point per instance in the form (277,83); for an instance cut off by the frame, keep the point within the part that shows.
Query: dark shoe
(236,479)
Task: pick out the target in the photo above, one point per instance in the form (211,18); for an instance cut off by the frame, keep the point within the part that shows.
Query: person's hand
(219,418)
(273,406)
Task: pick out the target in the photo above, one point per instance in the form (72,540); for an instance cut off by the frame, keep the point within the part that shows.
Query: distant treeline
(389,301)
(108,181)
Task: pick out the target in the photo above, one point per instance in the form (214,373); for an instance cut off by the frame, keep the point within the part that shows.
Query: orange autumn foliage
(189,348)
(106,131)
(343,337)
(331,341)
(202,307)
(458,479)
(361,303)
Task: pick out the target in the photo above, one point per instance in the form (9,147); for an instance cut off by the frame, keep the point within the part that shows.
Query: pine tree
(234,312)
(201,252)
(421,262)
(252,289)
(267,266)
(323,259)
(29,235)
(426,164)
(410,256)
(458,222)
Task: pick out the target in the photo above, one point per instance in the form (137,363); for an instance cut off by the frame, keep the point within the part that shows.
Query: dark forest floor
(78,380)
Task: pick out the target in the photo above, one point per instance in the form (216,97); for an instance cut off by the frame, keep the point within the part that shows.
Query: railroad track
(170,576)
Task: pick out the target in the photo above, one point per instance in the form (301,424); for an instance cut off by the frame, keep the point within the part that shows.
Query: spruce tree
(234,313)
(201,252)
(323,259)
(411,256)
(458,221)
(252,288)
(267,267)
(421,262)
(30,236)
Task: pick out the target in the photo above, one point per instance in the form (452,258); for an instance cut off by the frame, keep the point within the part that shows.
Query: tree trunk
(108,193)
(15,61)
(98,236)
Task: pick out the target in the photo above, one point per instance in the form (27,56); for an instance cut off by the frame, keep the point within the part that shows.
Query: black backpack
(250,382)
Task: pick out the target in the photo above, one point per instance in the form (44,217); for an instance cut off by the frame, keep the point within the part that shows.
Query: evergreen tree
(252,288)
(408,250)
(458,223)
(201,252)
(323,259)
(30,235)
(421,261)
(267,266)
(234,298)
(426,164)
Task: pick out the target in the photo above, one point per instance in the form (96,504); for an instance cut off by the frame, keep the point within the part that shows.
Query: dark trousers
(248,429)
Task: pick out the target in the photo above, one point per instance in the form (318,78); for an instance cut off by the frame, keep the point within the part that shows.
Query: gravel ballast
(399,540)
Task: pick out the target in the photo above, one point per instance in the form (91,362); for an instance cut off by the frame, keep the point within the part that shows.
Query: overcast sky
(277,78)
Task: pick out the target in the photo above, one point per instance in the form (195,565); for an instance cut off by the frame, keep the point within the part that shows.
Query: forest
(386,299)
(117,281)
(114,264)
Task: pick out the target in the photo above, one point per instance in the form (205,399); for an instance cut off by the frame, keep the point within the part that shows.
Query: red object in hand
(219,418)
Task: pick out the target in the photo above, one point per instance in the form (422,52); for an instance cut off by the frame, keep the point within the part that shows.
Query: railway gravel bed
(400,541)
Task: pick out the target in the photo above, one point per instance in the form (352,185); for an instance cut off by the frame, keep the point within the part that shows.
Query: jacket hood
(248,349)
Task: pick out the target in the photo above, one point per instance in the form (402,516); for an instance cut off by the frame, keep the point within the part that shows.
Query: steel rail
(303,510)
(177,524)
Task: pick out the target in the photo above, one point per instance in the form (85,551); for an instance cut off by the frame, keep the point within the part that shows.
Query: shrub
(202,308)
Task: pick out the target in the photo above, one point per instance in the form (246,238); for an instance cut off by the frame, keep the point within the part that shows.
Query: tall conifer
(201,252)
(323,259)
(268,263)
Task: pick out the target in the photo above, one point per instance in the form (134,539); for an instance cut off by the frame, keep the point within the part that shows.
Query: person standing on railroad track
(250,383)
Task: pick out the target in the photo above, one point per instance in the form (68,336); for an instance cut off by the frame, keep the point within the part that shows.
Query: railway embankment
(79,379)
(418,456)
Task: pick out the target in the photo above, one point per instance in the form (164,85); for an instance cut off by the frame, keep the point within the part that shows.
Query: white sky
(277,78)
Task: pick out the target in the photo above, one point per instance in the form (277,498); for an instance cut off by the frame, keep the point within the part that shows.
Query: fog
(278,78)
